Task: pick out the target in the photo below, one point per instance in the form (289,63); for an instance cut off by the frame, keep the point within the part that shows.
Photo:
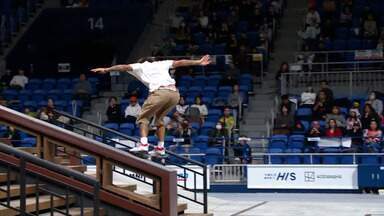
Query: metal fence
(349,82)
(331,56)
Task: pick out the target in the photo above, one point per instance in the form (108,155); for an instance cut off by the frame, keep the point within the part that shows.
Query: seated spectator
(227,121)
(312,17)
(132,111)
(181,108)
(369,114)
(19,81)
(12,135)
(372,138)
(346,17)
(28,112)
(325,88)
(333,130)
(322,106)
(228,80)
(186,132)
(47,113)
(376,104)
(286,102)
(83,90)
(219,136)
(355,132)
(202,108)
(308,97)
(337,116)
(356,108)
(370,30)
(113,111)
(242,151)
(284,121)
(314,131)
(6,78)
(352,120)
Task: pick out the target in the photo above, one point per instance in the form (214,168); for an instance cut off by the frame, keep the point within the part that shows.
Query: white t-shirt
(153,75)
(308,98)
(202,108)
(133,110)
(181,109)
(19,80)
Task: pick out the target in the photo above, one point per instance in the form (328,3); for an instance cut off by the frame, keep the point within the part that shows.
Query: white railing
(350,81)
(228,173)
(336,66)
(373,54)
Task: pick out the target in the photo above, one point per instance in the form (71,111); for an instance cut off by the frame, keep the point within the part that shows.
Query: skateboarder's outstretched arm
(205,60)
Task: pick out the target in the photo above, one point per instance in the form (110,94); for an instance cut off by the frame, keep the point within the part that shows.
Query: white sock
(160,144)
(144,140)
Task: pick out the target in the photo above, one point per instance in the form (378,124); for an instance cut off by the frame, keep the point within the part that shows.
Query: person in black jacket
(113,111)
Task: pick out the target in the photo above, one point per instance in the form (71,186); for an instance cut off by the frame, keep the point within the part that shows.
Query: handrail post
(96,199)
(205,190)
(22,187)
(350,84)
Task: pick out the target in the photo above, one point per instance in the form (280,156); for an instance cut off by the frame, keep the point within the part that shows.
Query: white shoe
(140,148)
(158,151)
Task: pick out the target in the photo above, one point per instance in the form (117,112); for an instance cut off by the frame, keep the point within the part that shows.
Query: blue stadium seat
(88,160)
(275,159)
(346,159)
(48,84)
(354,44)
(304,113)
(24,95)
(127,128)
(39,95)
(342,33)
(67,95)
(113,126)
(207,128)
(213,156)
(28,142)
(370,159)
(198,158)
(10,94)
(30,104)
(339,45)
(210,91)
(54,94)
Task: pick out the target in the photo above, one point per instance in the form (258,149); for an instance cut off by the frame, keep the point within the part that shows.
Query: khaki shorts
(158,104)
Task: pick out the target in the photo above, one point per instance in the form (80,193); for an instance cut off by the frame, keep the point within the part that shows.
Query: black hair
(147,59)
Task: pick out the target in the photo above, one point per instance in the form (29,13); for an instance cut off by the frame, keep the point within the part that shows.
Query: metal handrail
(185,160)
(330,51)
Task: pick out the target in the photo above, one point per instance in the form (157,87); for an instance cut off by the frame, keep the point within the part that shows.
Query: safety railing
(329,56)
(54,143)
(351,81)
(123,142)
(228,173)
(355,66)
(34,178)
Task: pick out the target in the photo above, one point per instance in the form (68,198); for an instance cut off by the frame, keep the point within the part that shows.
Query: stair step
(3,177)
(14,190)
(76,212)
(62,160)
(44,204)
(182,207)
(80,168)
(149,199)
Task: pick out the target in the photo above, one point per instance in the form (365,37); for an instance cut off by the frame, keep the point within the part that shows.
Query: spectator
(132,111)
(325,87)
(298,128)
(369,114)
(203,20)
(83,89)
(337,116)
(370,27)
(314,131)
(113,111)
(235,99)
(308,97)
(356,108)
(181,108)
(376,104)
(228,121)
(284,121)
(242,151)
(333,130)
(322,106)
(186,132)
(312,17)
(47,113)
(372,138)
(346,17)
(284,68)
(286,102)
(353,120)
(228,80)
(19,81)
(12,135)
(202,108)
(6,78)
(219,136)
(28,112)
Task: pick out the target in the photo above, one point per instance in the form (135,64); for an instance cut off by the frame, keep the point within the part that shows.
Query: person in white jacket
(308,97)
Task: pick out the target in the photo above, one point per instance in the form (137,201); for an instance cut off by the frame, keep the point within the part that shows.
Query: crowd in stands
(342,25)
(324,116)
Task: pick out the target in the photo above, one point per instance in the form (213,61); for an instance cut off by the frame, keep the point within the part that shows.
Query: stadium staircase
(51,178)
(260,106)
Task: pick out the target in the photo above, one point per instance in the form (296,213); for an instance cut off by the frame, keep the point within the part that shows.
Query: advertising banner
(302,177)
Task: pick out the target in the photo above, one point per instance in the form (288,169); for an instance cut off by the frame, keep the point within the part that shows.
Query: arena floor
(277,204)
